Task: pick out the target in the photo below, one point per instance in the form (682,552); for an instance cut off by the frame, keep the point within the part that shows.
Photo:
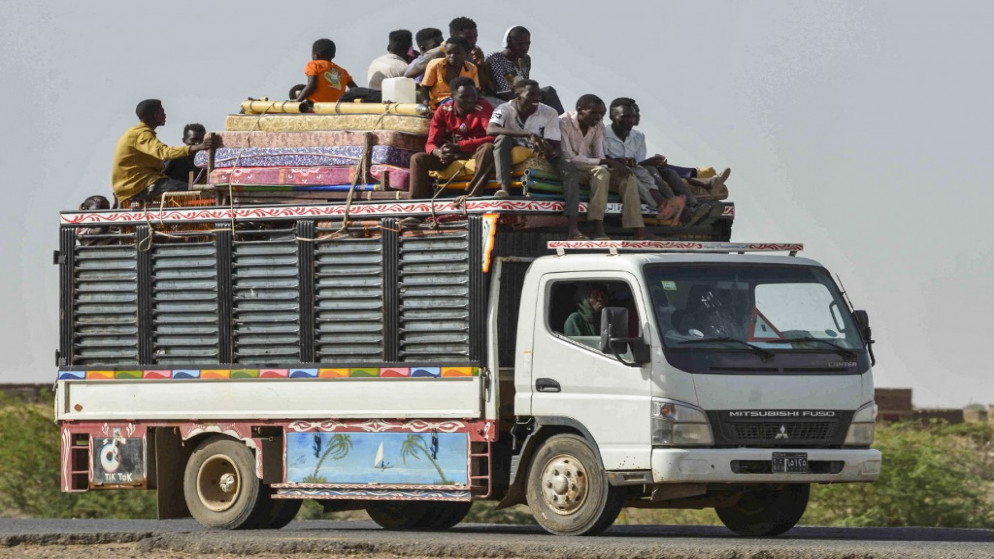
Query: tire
(282,512)
(398,515)
(221,488)
(766,512)
(444,515)
(568,491)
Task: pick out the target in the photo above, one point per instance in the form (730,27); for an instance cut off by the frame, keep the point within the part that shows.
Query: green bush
(933,475)
(30,476)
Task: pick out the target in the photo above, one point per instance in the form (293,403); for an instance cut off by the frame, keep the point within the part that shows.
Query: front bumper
(715,465)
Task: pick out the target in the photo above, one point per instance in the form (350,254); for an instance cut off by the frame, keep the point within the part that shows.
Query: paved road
(343,539)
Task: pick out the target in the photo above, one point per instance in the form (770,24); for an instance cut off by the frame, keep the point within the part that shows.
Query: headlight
(676,424)
(863,426)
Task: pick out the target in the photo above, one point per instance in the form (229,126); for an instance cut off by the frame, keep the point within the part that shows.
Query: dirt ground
(131,551)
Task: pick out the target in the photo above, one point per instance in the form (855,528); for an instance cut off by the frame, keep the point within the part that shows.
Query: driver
(586,321)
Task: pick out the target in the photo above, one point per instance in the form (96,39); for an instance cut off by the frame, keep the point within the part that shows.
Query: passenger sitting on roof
(183,169)
(139,156)
(458,130)
(326,81)
(441,71)
(525,121)
(513,63)
(86,235)
(465,28)
(659,185)
(701,177)
(583,146)
(429,41)
(393,64)
(295,91)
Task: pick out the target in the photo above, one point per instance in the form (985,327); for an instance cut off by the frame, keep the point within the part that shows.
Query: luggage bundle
(272,153)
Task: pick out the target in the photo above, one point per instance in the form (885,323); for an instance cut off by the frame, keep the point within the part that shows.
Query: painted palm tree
(413,446)
(338,448)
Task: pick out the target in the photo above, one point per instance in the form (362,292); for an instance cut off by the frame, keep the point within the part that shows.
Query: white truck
(255,357)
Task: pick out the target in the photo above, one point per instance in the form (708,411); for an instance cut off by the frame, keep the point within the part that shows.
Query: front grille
(777,431)
(790,429)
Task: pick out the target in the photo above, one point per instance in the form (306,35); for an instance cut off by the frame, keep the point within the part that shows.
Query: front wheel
(766,512)
(281,512)
(568,491)
(220,486)
(444,515)
(398,515)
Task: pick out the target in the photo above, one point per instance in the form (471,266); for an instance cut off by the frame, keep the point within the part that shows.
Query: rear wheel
(568,490)
(398,515)
(766,512)
(220,486)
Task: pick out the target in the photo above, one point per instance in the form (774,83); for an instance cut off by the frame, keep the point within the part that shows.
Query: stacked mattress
(272,151)
(318,153)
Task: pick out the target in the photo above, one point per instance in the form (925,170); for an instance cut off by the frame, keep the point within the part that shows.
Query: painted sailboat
(378,462)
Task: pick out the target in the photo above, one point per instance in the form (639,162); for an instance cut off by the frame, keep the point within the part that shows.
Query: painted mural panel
(118,460)
(381,458)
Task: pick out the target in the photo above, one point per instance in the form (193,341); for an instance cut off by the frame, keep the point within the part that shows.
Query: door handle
(547,385)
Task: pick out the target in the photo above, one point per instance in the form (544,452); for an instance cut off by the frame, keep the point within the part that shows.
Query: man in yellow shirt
(140,156)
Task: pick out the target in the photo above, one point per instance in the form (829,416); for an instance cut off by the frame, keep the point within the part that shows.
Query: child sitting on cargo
(295,91)
(326,81)
(87,236)
(441,71)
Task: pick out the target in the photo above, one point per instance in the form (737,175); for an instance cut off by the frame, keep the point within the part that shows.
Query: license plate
(790,462)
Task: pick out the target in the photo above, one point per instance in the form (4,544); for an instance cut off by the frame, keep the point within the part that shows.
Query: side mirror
(615,340)
(863,323)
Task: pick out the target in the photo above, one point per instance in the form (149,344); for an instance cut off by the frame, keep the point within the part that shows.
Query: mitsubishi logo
(783,433)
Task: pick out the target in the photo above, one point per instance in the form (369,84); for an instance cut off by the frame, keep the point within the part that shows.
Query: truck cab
(696,379)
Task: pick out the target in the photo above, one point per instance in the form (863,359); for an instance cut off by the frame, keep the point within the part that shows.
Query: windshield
(747,307)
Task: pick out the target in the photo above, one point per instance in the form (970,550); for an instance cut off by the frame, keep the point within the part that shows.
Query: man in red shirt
(458,131)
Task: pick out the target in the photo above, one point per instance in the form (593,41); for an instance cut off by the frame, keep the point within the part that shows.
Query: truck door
(573,380)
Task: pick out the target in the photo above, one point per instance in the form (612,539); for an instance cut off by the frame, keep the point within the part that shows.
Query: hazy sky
(858,128)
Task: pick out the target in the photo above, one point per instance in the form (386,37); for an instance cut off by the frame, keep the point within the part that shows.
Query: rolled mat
(542,175)
(463,185)
(303,157)
(311,188)
(236,139)
(265,106)
(544,186)
(465,168)
(406,109)
(584,196)
(309,123)
(312,197)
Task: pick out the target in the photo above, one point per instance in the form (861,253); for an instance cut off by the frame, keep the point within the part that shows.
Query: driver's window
(575,307)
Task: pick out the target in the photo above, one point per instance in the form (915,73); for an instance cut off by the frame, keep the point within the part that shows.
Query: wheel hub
(227,483)
(218,483)
(564,484)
